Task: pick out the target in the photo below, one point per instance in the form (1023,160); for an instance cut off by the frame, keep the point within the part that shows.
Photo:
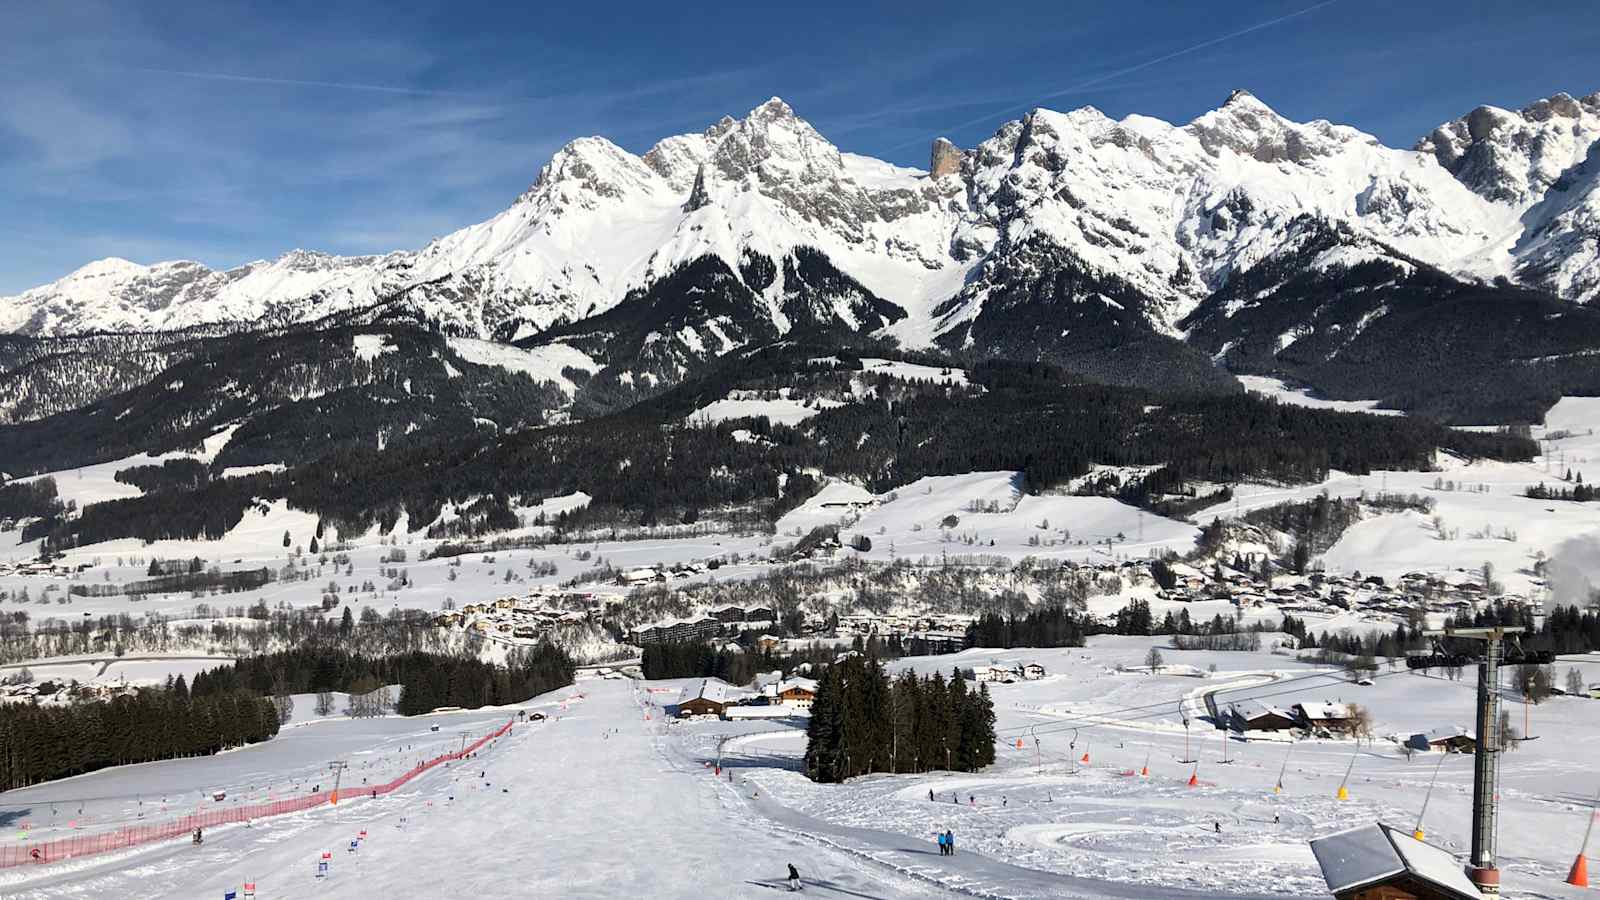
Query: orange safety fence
(134,835)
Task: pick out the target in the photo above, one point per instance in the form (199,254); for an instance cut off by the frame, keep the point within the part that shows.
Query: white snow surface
(543,363)
(607,770)
(908,522)
(784,409)
(1485,516)
(1276,388)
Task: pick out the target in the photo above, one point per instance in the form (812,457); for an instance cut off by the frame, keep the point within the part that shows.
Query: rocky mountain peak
(1516,157)
(944,159)
(774,108)
(1246,125)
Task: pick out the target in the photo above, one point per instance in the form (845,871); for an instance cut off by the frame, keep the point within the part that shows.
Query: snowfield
(545,363)
(781,410)
(1276,388)
(992,517)
(609,798)
(1481,509)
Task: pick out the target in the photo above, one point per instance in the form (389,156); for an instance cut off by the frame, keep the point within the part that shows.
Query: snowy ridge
(1171,210)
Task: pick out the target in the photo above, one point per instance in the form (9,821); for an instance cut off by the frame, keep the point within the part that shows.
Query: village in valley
(1032,465)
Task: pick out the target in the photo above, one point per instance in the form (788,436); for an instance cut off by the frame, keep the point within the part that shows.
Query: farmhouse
(1256,716)
(1449,740)
(1000,674)
(1328,716)
(797,691)
(710,697)
(640,576)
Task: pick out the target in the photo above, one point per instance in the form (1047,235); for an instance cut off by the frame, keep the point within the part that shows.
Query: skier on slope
(794,878)
(197,838)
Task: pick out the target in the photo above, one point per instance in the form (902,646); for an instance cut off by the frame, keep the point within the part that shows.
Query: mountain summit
(1160,215)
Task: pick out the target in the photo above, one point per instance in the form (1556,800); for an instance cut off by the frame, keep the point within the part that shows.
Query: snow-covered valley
(594,800)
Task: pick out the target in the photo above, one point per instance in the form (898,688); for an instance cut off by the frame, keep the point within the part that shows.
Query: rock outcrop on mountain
(1114,247)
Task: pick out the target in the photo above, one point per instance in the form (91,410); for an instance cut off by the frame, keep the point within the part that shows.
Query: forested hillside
(647,464)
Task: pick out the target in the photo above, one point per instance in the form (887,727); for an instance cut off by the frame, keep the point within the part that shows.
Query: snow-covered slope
(1543,162)
(1171,211)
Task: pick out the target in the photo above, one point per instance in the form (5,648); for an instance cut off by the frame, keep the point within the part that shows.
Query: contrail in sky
(1129,70)
(297,82)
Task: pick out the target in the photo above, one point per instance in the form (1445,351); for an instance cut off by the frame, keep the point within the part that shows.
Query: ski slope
(608,798)
(589,803)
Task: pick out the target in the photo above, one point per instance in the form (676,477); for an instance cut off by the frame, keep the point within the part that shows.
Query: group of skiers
(947,843)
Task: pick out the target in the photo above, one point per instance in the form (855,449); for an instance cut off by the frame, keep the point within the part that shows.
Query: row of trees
(1578,493)
(1050,626)
(862,722)
(43,742)
(427,680)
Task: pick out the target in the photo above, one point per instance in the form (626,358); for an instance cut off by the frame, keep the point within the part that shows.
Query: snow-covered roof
(1322,711)
(714,689)
(1255,709)
(1446,733)
(1372,853)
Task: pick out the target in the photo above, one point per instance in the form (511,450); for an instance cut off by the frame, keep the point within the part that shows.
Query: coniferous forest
(43,742)
(647,464)
(862,722)
(427,680)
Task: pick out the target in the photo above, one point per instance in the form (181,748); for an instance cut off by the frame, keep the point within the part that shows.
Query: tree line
(427,680)
(1050,626)
(741,665)
(43,742)
(862,722)
(1578,493)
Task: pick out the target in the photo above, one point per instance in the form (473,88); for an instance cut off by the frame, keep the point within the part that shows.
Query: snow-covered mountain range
(1171,211)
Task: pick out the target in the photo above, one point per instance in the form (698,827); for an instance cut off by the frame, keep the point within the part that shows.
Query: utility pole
(1486,759)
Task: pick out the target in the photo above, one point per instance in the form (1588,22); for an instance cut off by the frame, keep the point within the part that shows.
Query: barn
(710,697)
(1255,716)
(1449,740)
(1327,716)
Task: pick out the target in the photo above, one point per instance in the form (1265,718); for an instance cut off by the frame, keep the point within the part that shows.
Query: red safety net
(79,845)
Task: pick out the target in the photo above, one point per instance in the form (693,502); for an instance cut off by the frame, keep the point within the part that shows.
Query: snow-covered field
(992,517)
(1275,387)
(609,799)
(1481,507)
(597,801)
(783,409)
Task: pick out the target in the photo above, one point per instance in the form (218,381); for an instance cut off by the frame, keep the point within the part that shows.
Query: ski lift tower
(1486,758)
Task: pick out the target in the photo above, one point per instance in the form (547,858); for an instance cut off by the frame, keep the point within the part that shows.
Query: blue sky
(155,130)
